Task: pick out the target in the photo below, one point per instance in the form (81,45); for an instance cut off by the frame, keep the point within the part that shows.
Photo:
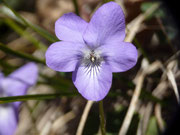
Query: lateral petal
(120,56)
(63,56)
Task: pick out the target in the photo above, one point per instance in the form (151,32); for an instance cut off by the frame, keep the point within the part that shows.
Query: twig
(84,117)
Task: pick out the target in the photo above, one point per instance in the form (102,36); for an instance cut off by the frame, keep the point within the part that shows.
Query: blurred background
(27,29)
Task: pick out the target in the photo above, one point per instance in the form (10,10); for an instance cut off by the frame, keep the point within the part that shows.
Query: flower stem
(102,119)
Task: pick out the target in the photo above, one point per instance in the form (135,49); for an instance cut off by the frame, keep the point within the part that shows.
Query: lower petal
(8,120)
(93,83)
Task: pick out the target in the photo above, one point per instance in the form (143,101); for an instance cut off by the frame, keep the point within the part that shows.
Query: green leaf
(23,33)
(76,6)
(146,5)
(44,33)
(13,3)
(105,1)
(20,54)
(15,15)
(6,67)
(152,127)
(4,100)
(136,42)
(57,82)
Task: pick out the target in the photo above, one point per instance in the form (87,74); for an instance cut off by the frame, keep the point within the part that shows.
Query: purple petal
(8,120)
(120,56)
(70,27)
(107,25)
(1,78)
(27,73)
(13,87)
(63,56)
(93,83)
(1,75)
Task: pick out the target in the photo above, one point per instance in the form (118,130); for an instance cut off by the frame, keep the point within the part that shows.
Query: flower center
(92,58)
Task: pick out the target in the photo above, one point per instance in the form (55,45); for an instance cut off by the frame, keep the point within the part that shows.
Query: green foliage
(105,1)
(62,83)
(4,100)
(23,33)
(152,127)
(10,12)
(158,13)
(20,54)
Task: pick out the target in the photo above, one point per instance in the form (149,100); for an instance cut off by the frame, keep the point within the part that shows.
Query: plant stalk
(102,118)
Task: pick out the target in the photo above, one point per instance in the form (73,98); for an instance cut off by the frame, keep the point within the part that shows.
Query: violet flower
(92,50)
(16,84)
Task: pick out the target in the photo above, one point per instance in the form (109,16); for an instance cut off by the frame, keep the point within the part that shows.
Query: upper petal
(93,83)
(27,73)
(8,120)
(120,56)
(106,25)
(14,87)
(63,56)
(70,27)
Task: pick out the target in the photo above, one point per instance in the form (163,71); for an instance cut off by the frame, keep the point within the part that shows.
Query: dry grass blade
(61,121)
(45,124)
(84,117)
(172,80)
(134,25)
(145,112)
(139,82)
(159,117)
(132,106)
